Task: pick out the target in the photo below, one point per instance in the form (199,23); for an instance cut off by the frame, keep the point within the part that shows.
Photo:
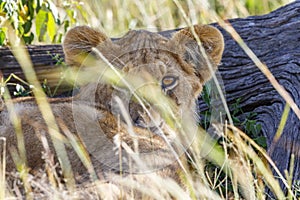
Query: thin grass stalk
(158,184)
(280,128)
(17,125)
(289,176)
(273,183)
(2,167)
(19,154)
(282,123)
(50,166)
(79,149)
(127,120)
(23,59)
(263,68)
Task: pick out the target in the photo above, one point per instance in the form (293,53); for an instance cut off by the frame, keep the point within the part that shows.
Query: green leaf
(51,26)
(236,120)
(31,9)
(27,26)
(59,38)
(2,37)
(261,141)
(66,25)
(40,23)
(20,30)
(28,38)
(71,14)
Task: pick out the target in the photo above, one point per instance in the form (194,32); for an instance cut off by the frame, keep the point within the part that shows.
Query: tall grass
(236,169)
(116,17)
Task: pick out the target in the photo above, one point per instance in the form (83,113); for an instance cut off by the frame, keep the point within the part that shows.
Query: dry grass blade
(281,126)
(19,154)
(79,148)
(282,123)
(23,58)
(269,177)
(264,69)
(289,177)
(2,166)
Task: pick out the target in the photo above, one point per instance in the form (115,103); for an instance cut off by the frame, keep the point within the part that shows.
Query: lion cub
(122,128)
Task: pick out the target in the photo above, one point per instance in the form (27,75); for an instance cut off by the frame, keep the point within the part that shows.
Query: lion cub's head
(176,65)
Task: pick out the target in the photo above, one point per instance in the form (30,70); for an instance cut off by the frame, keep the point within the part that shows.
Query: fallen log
(274,38)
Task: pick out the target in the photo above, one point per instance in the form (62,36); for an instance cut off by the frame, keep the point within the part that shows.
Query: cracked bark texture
(274,38)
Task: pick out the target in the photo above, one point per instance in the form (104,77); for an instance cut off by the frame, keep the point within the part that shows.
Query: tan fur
(177,61)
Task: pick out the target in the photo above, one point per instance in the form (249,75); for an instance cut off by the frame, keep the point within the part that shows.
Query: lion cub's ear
(79,41)
(213,43)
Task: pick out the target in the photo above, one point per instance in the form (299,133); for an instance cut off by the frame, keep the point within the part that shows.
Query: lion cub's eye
(169,82)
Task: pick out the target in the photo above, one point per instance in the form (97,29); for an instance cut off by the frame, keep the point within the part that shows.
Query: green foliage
(249,125)
(59,60)
(262,6)
(205,115)
(2,36)
(20,15)
(21,91)
(46,88)
(36,20)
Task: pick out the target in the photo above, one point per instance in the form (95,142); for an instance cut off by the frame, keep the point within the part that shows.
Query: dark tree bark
(274,38)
